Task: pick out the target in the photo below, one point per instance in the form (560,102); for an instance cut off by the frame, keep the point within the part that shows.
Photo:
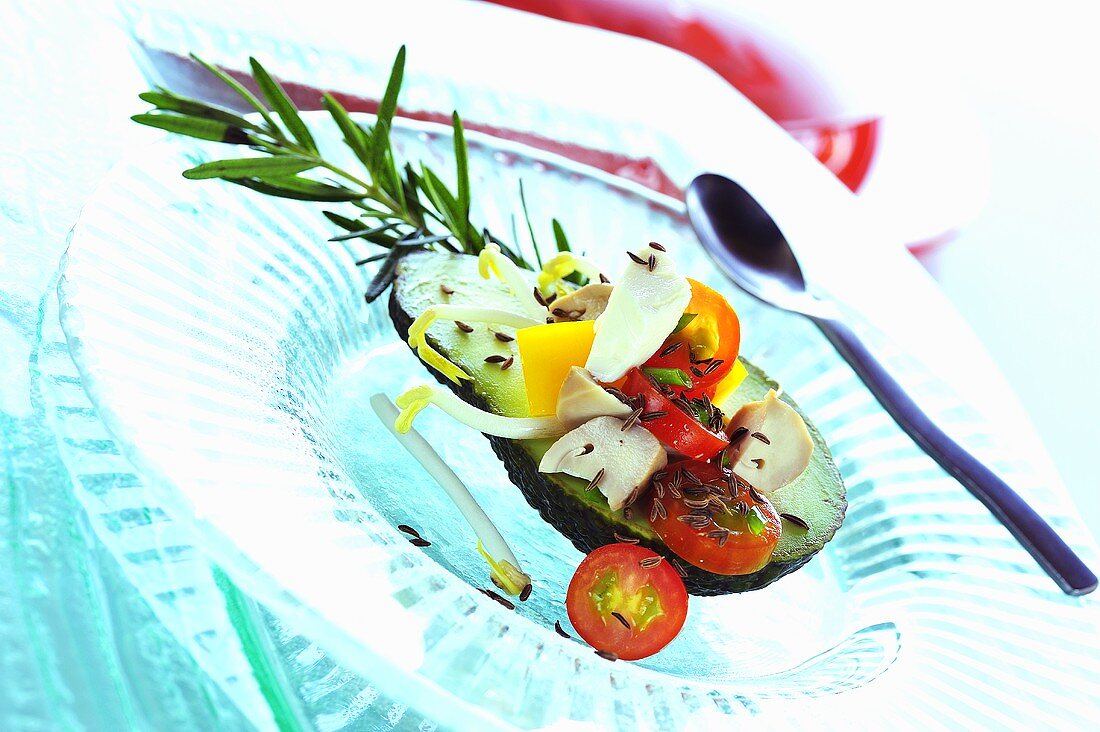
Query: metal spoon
(749,247)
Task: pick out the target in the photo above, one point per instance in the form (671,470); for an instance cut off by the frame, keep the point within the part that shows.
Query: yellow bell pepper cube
(729,383)
(547,352)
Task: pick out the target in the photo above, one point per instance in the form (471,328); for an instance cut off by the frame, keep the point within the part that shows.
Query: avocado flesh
(817,496)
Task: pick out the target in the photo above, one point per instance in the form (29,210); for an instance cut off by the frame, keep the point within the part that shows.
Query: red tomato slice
(673,426)
(705,350)
(724,542)
(618,605)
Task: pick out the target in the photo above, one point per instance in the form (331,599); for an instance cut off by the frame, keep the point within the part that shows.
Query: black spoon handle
(1036,535)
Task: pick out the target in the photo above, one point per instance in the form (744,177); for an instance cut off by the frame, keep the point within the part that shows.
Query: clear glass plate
(230,353)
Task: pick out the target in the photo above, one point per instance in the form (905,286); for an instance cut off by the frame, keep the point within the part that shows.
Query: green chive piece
(755,519)
(672,377)
(685,319)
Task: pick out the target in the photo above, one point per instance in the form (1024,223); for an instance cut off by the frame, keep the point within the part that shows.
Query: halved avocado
(817,496)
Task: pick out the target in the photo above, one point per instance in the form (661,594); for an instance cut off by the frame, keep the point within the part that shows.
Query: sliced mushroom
(775,446)
(582,399)
(623,461)
(585,303)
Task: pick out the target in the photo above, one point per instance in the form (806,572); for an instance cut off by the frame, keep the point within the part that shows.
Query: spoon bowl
(747,245)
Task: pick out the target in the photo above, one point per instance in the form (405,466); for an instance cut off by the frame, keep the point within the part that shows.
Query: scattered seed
(552,298)
(738,434)
(755,495)
(719,505)
(507,364)
(502,600)
(660,475)
(678,567)
(607,655)
(651,562)
(495,358)
(418,542)
(758,462)
(671,349)
(628,513)
(595,480)
(625,539)
(617,394)
(690,476)
(637,259)
(463,327)
(621,619)
(588,447)
(560,631)
(652,263)
(801,523)
(675,490)
(526,592)
(696,503)
(762,437)
(696,371)
(408,530)
(447,290)
(539,298)
(632,496)
(660,488)
(549,320)
(646,416)
(712,367)
(603,279)
(503,337)
(658,510)
(658,247)
(632,419)
(742,508)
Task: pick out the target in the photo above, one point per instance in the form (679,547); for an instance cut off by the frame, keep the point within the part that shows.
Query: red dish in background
(775,77)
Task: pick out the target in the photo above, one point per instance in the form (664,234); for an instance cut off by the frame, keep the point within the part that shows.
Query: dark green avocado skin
(587,529)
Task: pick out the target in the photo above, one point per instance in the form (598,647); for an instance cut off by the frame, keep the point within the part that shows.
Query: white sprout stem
(470,314)
(492,261)
(413,401)
(505,568)
(466,313)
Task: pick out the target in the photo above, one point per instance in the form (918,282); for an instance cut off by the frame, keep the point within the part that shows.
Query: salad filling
(623,385)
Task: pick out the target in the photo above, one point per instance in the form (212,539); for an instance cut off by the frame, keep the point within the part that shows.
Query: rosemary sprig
(396,206)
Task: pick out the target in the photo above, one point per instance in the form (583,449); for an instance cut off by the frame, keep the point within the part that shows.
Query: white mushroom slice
(620,462)
(582,399)
(586,303)
(775,447)
(644,307)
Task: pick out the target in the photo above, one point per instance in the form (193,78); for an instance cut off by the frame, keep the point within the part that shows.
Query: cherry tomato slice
(712,337)
(618,605)
(674,427)
(733,541)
